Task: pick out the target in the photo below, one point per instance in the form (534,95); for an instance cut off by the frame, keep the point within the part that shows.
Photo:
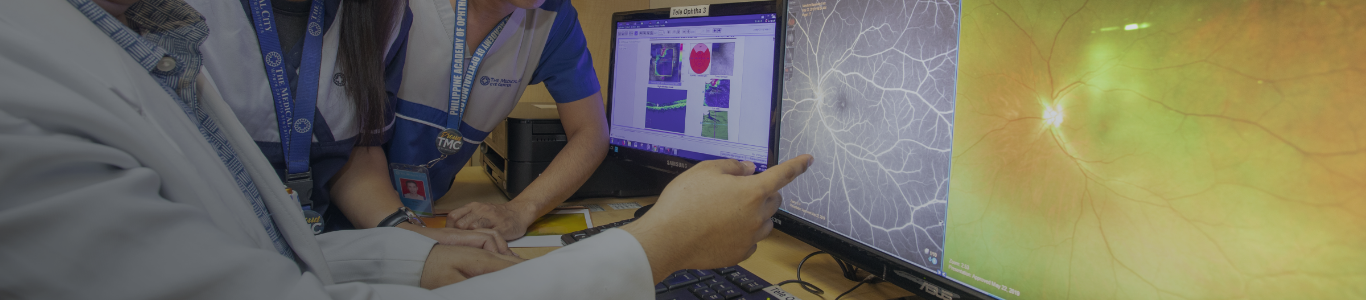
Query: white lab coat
(108,191)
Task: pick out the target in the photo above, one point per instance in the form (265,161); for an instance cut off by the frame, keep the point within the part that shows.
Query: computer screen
(1082,149)
(696,88)
(868,90)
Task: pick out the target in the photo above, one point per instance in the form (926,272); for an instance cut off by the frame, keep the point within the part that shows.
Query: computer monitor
(1080,150)
(868,90)
(683,90)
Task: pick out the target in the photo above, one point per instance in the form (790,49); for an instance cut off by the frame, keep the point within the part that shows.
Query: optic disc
(1052,115)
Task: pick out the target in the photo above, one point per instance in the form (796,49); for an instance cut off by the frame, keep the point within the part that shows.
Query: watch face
(412,217)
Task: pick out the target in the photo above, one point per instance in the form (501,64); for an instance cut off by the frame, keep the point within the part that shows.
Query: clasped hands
(711,216)
(484,226)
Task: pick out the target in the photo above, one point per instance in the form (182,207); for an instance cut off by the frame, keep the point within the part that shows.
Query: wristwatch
(402,215)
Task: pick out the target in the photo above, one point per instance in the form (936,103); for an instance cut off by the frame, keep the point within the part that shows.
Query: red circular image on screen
(700,58)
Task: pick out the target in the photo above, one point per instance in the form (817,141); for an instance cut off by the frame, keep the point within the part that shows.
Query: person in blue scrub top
(352,61)
(508,44)
(112,118)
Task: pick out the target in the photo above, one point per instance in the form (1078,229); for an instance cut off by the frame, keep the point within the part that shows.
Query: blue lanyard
(461,85)
(294,116)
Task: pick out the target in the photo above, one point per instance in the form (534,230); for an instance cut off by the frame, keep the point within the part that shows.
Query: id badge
(314,219)
(413,188)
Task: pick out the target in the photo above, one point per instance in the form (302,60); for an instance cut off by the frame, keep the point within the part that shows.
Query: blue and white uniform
(232,58)
(544,45)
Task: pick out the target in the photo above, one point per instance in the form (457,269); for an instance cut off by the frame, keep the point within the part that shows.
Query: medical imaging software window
(705,88)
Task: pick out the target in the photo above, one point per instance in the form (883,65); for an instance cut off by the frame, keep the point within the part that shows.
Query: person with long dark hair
(110,122)
(308,80)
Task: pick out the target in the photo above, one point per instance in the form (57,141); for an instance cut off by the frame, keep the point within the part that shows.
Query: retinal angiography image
(1160,150)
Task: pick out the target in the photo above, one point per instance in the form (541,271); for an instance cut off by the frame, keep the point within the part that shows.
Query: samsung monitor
(687,89)
(1080,149)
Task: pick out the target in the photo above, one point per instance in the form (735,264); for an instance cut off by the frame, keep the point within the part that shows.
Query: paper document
(546,231)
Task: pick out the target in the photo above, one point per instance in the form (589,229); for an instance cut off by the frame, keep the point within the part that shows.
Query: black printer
(520,148)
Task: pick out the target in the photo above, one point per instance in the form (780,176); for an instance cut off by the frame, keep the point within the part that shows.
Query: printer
(519,149)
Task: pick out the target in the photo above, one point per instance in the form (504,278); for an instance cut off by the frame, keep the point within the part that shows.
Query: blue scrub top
(544,45)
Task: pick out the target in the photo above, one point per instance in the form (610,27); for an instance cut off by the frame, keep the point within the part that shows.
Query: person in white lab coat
(126,176)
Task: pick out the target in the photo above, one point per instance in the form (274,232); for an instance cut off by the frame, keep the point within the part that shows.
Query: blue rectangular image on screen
(666,109)
(723,59)
(717,93)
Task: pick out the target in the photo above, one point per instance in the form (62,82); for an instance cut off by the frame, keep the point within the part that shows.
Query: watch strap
(393,219)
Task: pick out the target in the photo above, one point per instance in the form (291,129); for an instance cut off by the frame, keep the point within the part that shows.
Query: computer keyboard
(729,283)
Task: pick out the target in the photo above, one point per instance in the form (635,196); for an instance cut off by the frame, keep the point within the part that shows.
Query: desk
(775,260)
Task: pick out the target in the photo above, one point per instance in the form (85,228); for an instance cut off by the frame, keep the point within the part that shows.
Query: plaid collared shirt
(164,37)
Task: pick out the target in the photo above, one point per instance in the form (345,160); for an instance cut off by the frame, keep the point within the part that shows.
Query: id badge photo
(413,189)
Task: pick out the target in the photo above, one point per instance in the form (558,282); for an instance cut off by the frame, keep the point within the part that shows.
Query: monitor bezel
(877,262)
(673,164)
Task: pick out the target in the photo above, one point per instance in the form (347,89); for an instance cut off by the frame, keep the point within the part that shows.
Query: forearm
(620,266)
(659,248)
(362,190)
(585,125)
(569,170)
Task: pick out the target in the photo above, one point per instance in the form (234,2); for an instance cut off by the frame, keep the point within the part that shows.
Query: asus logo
(677,164)
(929,288)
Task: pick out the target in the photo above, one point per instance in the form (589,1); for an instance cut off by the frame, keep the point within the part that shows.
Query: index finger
(500,244)
(779,176)
(727,166)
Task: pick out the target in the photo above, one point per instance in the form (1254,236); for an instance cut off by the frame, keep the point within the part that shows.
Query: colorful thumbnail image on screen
(717,93)
(1114,149)
(712,58)
(715,124)
(666,109)
(666,64)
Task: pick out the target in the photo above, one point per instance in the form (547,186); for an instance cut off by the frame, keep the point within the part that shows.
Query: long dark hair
(365,29)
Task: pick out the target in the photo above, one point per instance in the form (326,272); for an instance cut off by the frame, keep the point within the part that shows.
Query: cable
(805,285)
(867,279)
(847,269)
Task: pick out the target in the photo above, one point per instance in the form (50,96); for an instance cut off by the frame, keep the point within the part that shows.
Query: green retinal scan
(1160,150)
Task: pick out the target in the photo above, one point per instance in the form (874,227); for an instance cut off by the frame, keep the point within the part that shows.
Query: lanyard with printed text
(449,141)
(294,115)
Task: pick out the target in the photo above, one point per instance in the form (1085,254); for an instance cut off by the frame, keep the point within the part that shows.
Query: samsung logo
(690,11)
(677,164)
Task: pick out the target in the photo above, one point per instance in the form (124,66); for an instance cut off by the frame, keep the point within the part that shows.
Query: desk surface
(775,260)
